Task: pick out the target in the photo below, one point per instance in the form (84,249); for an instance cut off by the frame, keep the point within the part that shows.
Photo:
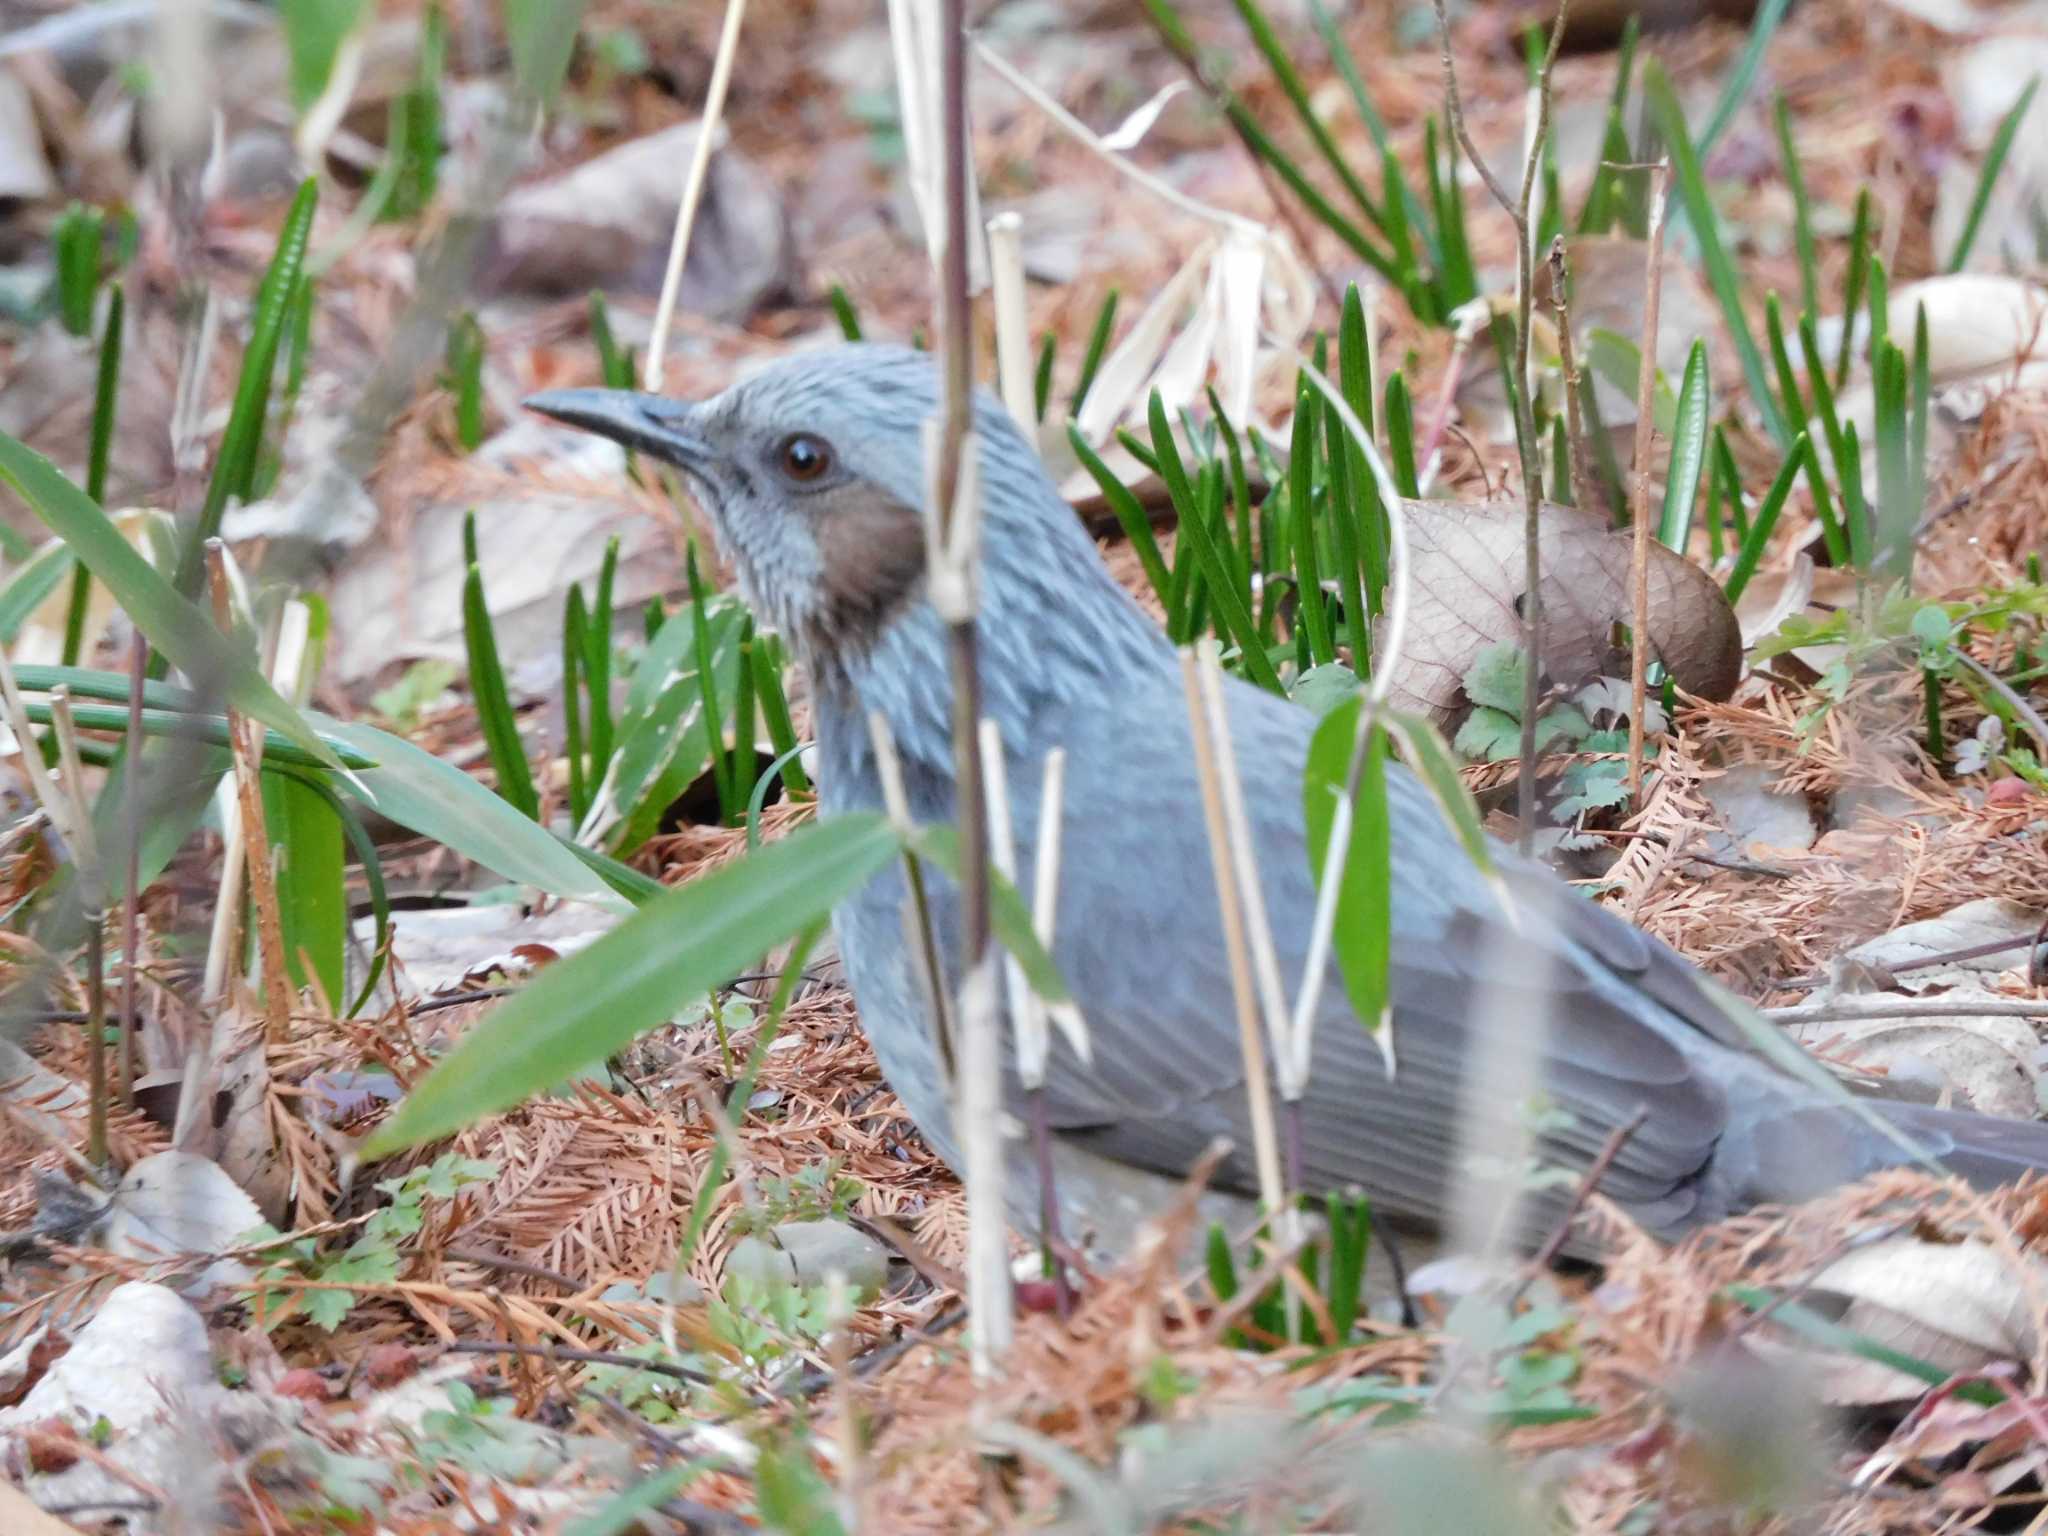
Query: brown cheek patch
(872,548)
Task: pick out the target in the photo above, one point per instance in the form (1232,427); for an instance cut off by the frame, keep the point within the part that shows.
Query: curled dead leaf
(1467,575)
(1959,1306)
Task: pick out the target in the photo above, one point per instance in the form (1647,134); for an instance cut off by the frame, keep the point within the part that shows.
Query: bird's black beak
(652,424)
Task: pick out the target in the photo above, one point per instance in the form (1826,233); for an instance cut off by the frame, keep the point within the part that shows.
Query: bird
(811,472)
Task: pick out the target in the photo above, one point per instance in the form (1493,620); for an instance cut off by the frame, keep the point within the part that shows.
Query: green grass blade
(364,847)
(236,460)
(1766,520)
(1823,395)
(707,682)
(1855,509)
(1836,541)
(1790,399)
(1688,452)
(1802,209)
(1129,515)
(1994,162)
(312,898)
(1923,389)
(1344,525)
(465,359)
(1289,79)
(493,703)
(679,946)
(1880,309)
(29,586)
(1731,489)
(1721,274)
(1301,507)
(775,710)
(1898,515)
(1400,420)
(1041,377)
(1237,622)
(1363,938)
(1743,76)
(574,622)
(843,312)
(743,723)
(105,393)
(614,366)
(184,725)
(1852,286)
(1240,493)
(597,662)
(1175,34)
(1091,357)
(1355,382)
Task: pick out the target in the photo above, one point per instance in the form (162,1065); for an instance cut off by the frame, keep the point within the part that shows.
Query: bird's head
(813,474)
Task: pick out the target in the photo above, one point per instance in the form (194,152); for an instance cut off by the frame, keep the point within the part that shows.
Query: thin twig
(1518,209)
(1596,1170)
(2029,716)
(693,188)
(1888,1006)
(1639,492)
(1582,481)
(562,1354)
(246,750)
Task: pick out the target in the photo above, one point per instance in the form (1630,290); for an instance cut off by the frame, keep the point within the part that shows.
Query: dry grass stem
(1251,1045)
(246,748)
(1013,333)
(693,190)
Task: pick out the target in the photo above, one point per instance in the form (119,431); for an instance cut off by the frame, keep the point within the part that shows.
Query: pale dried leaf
(1467,582)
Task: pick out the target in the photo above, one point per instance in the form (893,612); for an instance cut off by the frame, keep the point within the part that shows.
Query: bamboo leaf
(679,946)
(173,625)
(1688,453)
(1363,938)
(440,801)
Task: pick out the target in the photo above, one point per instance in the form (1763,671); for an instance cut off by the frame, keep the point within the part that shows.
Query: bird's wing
(1140,939)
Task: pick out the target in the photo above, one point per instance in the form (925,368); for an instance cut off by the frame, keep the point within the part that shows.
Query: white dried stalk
(914,45)
(1244,860)
(320,120)
(1240,287)
(978,1120)
(1045,900)
(693,188)
(1013,328)
(1252,1050)
(889,769)
(953,545)
(84,849)
(48,792)
(1002,852)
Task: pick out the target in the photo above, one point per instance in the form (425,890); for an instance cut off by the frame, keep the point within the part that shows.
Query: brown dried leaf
(1467,574)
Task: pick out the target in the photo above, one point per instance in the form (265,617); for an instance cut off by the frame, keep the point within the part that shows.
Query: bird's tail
(1987,1150)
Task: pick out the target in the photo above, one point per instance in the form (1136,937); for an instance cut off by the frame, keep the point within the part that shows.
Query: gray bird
(812,472)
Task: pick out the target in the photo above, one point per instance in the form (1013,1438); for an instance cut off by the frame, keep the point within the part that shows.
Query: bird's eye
(804,457)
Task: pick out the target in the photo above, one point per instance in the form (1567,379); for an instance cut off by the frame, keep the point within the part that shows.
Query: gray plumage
(1067,658)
